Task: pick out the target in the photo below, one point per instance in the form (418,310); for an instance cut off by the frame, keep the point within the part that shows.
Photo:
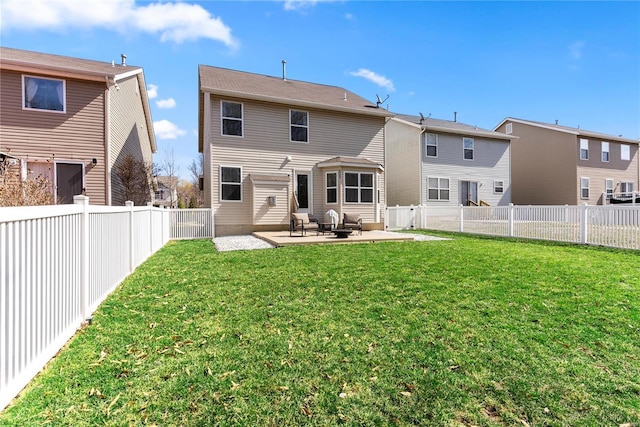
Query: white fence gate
(612,225)
(58,263)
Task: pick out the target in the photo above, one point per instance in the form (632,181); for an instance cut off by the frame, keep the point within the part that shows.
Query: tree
(17,192)
(196,169)
(169,168)
(135,177)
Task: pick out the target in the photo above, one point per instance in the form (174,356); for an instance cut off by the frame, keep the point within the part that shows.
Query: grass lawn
(469,331)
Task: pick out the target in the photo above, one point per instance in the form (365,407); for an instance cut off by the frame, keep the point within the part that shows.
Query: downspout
(423,130)
(107,136)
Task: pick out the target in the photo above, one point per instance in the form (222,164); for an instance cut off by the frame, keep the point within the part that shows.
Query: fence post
(461,218)
(412,213)
(510,215)
(386,218)
(151,247)
(583,224)
(132,258)
(84,255)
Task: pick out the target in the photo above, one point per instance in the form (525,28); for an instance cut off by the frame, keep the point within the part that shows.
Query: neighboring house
(556,165)
(273,146)
(166,193)
(445,163)
(73,120)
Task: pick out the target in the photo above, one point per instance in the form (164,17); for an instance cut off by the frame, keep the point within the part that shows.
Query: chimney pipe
(124,59)
(556,122)
(284,70)
(455,116)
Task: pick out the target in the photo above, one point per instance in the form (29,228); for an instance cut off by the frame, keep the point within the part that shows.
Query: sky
(575,62)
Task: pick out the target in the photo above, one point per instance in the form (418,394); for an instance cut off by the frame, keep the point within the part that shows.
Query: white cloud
(176,22)
(301,4)
(166,103)
(381,81)
(576,49)
(164,129)
(152,91)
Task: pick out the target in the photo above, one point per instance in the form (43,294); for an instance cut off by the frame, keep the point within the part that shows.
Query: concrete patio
(282,238)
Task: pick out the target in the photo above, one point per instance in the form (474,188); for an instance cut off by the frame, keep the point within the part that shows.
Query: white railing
(58,263)
(613,225)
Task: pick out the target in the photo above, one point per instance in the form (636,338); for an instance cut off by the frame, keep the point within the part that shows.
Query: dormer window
(39,93)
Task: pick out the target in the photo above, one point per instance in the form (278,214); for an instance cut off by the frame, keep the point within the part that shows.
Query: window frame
(584,179)
(439,189)
(605,155)
(626,185)
(509,128)
(292,125)
(334,187)
(625,149)
(582,150)
(427,145)
(221,183)
(609,186)
(468,150)
(360,188)
(223,118)
(498,188)
(64,94)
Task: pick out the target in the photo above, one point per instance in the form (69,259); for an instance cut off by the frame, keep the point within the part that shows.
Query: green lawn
(469,331)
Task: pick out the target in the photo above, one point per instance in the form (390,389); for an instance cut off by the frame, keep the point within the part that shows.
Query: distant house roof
(455,127)
(167,181)
(343,161)
(570,130)
(75,68)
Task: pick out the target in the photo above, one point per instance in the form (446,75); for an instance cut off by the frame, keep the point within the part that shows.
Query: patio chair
(353,222)
(300,222)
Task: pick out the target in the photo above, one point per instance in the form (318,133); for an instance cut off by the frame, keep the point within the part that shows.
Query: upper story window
(299,125)
(358,187)
(498,187)
(584,149)
(332,187)
(431,145)
(605,151)
(467,144)
(230,183)
(625,152)
(43,94)
(232,123)
(438,188)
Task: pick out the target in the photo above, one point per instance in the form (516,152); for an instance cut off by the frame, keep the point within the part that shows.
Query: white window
(43,94)
(584,149)
(509,128)
(299,125)
(626,187)
(498,187)
(605,151)
(437,188)
(625,152)
(431,145)
(332,187)
(358,187)
(467,148)
(230,183)
(608,188)
(232,123)
(584,188)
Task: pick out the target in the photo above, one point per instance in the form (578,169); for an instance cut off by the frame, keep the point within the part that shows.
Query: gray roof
(572,130)
(240,84)
(349,161)
(449,126)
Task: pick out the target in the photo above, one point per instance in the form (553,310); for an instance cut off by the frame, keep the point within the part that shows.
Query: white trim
(220,199)
(426,145)
(584,142)
(359,187)
(438,189)
(64,94)
(326,188)
(588,187)
(604,144)
(501,186)
(222,118)
(309,174)
(291,110)
(623,148)
(473,149)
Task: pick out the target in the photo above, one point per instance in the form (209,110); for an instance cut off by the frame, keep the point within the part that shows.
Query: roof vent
(124,59)
(284,70)
(455,116)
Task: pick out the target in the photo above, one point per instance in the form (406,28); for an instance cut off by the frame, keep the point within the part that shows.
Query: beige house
(73,121)
(555,165)
(446,163)
(273,146)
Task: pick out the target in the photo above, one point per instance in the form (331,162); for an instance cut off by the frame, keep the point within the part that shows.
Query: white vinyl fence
(611,225)
(58,263)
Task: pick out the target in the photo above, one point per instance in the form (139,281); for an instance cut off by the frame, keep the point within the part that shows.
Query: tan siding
(266,144)
(265,214)
(402,167)
(75,136)
(127,133)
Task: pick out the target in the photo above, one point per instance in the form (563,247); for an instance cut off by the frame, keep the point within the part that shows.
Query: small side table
(325,227)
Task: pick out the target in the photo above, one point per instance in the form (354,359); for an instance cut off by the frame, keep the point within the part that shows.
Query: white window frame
(427,144)
(625,152)
(223,118)
(471,150)
(584,149)
(327,187)
(439,189)
(221,183)
(626,187)
(609,186)
(359,187)
(606,155)
(292,125)
(25,101)
(498,187)
(584,180)
(509,128)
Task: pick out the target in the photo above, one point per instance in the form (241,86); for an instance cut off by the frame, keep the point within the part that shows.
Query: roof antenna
(380,101)
(284,70)
(421,118)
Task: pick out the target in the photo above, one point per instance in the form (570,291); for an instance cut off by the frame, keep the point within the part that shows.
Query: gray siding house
(72,121)
(273,146)
(445,163)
